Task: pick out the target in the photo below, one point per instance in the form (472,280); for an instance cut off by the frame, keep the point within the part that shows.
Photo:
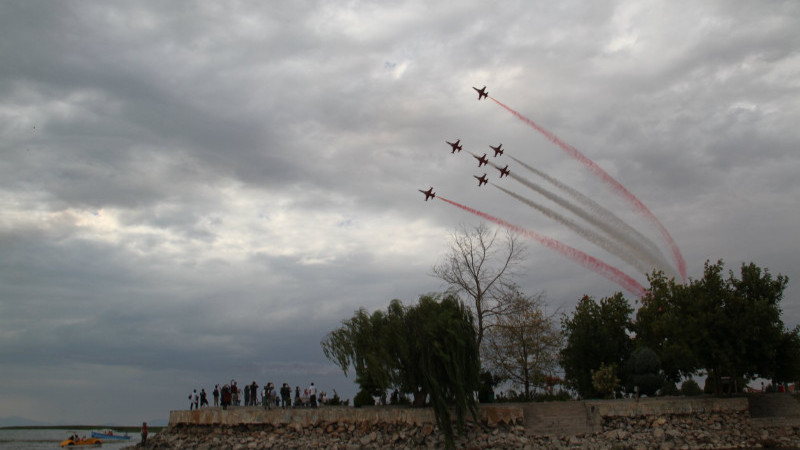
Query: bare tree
(481,265)
(523,345)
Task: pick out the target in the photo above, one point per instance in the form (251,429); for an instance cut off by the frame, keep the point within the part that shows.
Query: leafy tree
(596,334)
(787,357)
(522,346)
(643,370)
(429,349)
(481,265)
(661,325)
(605,381)
(731,327)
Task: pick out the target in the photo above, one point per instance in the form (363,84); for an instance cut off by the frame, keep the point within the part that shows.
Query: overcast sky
(192,192)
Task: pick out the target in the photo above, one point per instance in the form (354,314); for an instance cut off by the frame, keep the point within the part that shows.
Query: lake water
(44,438)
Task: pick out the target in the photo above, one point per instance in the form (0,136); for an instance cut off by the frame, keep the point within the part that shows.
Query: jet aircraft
(481,92)
(482,160)
(481,180)
(497,150)
(504,171)
(428,194)
(455,145)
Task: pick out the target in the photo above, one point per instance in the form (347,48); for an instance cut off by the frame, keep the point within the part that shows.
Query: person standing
(193,400)
(312,395)
(144,434)
(203,398)
(254,394)
(286,393)
(216,395)
(226,396)
(297,400)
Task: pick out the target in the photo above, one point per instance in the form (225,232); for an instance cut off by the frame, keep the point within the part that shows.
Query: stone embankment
(621,424)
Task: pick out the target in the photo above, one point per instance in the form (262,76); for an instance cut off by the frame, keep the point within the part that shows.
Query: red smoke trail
(572,253)
(637,204)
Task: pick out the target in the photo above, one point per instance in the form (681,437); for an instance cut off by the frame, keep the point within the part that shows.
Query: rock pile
(711,424)
(688,431)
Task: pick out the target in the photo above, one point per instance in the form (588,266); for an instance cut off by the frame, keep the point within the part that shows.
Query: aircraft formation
(598,225)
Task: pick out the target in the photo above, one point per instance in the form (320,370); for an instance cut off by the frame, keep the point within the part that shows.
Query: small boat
(84,442)
(108,435)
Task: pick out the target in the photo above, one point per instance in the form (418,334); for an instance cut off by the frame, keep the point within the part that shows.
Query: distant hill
(15,421)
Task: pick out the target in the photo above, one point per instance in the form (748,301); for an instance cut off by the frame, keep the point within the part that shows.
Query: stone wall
(686,423)
(304,417)
(666,406)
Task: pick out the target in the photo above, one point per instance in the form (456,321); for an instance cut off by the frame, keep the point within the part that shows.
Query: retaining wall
(490,414)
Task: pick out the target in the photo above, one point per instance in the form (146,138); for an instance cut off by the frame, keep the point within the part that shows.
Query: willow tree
(429,349)
(481,264)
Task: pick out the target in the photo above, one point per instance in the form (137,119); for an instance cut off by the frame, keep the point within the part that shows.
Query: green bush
(690,388)
(643,371)
(669,389)
(363,398)
(335,400)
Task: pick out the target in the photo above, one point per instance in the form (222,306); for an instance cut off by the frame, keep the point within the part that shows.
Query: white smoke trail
(605,227)
(595,238)
(627,232)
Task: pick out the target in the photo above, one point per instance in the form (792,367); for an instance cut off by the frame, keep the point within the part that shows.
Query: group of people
(248,395)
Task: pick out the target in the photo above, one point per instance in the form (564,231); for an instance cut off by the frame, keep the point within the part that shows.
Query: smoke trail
(616,186)
(606,244)
(608,229)
(574,254)
(627,232)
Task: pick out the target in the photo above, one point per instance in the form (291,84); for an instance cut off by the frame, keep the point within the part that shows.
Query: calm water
(41,439)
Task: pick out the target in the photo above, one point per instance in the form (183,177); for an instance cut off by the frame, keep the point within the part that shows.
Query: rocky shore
(678,431)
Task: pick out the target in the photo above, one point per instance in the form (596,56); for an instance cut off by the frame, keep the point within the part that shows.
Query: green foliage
(669,389)
(605,381)
(731,327)
(488,383)
(596,334)
(363,398)
(787,356)
(643,369)
(522,345)
(429,349)
(690,388)
(335,400)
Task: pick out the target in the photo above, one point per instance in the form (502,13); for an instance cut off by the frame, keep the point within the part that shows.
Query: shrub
(643,370)
(335,401)
(669,389)
(604,380)
(363,398)
(690,388)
